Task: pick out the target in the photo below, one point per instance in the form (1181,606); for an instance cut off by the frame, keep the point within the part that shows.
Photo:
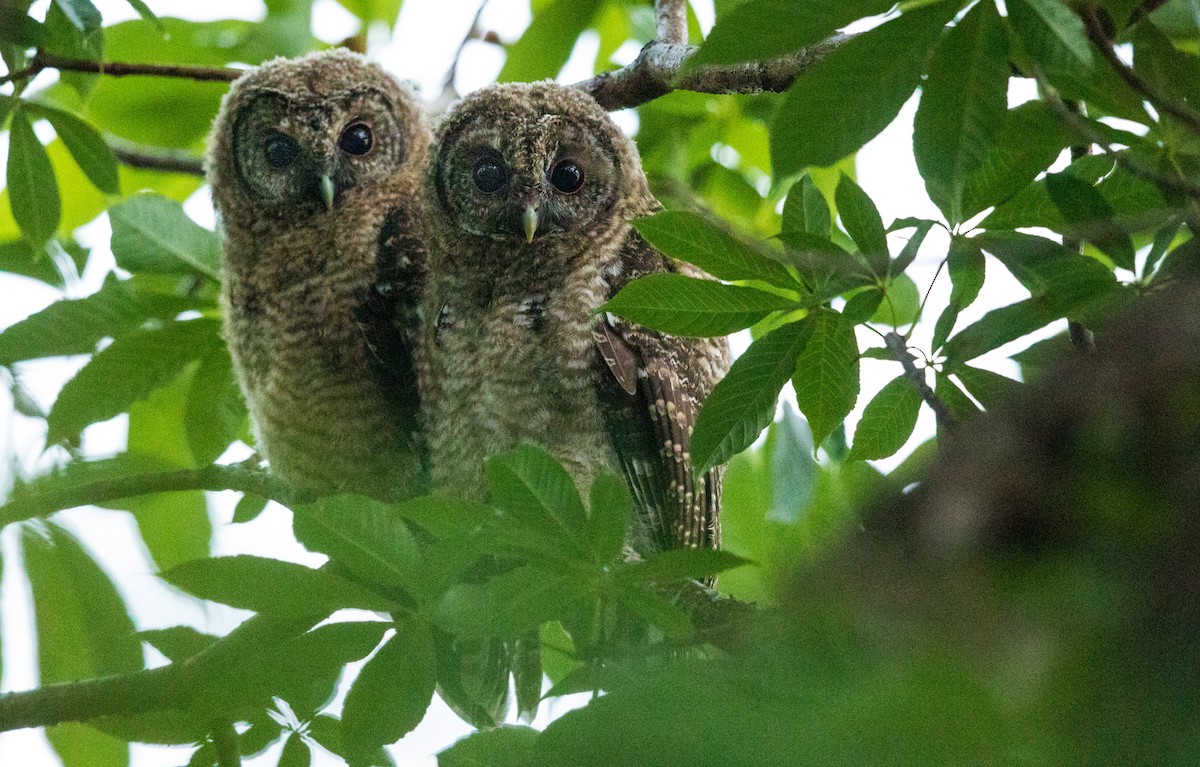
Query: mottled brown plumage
(314,165)
(530,192)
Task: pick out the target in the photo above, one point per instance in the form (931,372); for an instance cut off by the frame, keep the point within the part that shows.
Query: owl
(315,164)
(529,195)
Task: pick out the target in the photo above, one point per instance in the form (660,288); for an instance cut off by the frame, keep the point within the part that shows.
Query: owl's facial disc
(313,153)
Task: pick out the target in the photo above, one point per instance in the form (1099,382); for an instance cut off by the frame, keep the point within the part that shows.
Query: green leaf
(152,234)
(535,490)
(962,105)
(863,224)
(85,144)
(271,586)
(660,612)
(967,268)
(62,36)
(793,468)
(848,97)
(805,210)
(32,189)
(1029,139)
(512,603)
(825,375)
(862,305)
(765,29)
(364,536)
(909,253)
(216,414)
(295,752)
(507,746)
(1052,35)
(177,643)
(548,41)
(609,512)
(144,11)
(743,402)
(887,422)
(392,692)
(688,306)
(705,243)
(249,506)
(127,371)
(82,15)
(83,632)
(901,302)
(679,564)
(73,326)
(954,398)
(79,745)
(991,389)
(1089,217)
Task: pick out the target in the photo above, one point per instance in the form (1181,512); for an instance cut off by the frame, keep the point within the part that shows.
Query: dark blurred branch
(899,349)
(656,72)
(1081,337)
(45,60)
(41,504)
(671,20)
(1099,37)
(167,160)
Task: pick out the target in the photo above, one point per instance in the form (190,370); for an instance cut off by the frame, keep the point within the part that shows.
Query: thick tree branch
(656,72)
(167,160)
(43,60)
(41,504)
(671,21)
(170,687)
(899,349)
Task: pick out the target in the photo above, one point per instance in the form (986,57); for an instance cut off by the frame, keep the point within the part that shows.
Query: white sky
(427,35)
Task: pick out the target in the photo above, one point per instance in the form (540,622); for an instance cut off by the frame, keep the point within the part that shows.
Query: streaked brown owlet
(315,164)
(530,192)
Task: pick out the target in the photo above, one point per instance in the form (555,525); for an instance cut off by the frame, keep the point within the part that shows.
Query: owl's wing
(651,387)
(389,317)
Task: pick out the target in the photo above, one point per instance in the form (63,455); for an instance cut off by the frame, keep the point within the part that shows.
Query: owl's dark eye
(356,139)
(567,177)
(281,151)
(489,175)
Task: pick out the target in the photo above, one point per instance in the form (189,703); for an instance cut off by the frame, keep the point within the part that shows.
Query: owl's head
(303,133)
(525,161)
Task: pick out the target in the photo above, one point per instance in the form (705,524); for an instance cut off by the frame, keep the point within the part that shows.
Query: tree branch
(671,21)
(1099,38)
(899,349)
(43,60)
(41,504)
(167,160)
(175,686)
(656,72)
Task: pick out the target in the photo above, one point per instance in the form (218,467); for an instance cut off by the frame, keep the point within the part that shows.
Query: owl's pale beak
(530,219)
(327,191)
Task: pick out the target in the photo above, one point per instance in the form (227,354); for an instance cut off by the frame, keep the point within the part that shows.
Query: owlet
(530,191)
(314,165)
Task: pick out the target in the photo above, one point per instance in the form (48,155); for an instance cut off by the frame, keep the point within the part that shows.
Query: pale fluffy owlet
(530,192)
(314,165)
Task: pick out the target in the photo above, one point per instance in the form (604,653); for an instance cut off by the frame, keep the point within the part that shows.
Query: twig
(655,72)
(1096,33)
(449,92)
(41,504)
(43,60)
(175,686)
(671,21)
(225,741)
(899,349)
(166,160)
